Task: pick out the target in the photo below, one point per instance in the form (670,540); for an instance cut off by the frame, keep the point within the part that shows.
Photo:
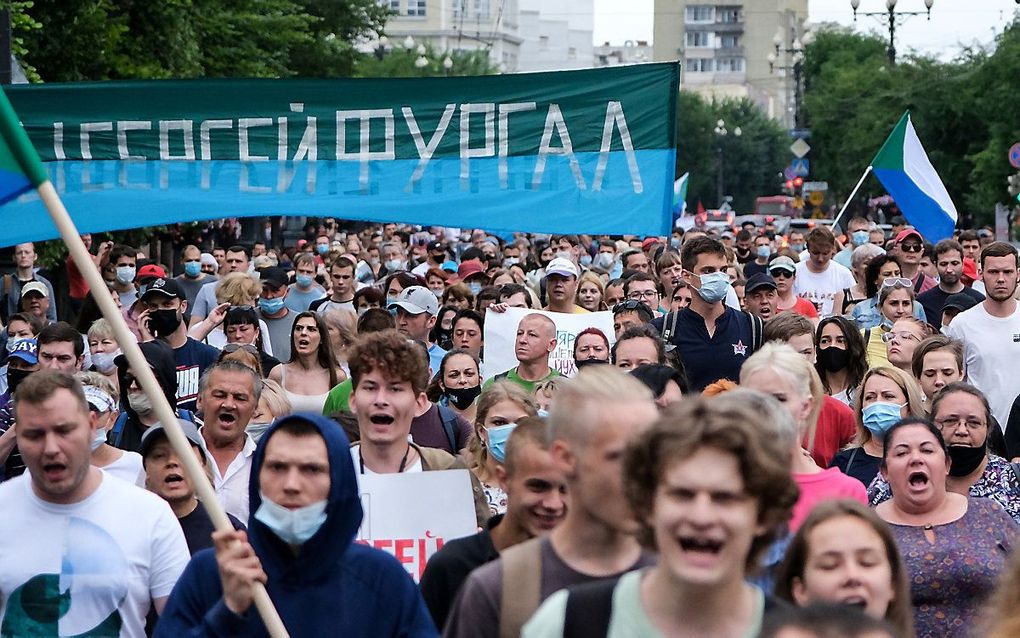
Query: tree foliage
(401,62)
(752,161)
(961,110)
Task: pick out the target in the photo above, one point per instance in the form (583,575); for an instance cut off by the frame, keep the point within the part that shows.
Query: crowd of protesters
(783,435)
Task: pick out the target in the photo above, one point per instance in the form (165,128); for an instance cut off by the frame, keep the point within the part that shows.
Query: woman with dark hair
(845,554)
(241,327)
(397,281)
(367,297)
(668,385)
(442,331)
(840,357)
(954,546)
(457,384)
(880,269)
(312,370)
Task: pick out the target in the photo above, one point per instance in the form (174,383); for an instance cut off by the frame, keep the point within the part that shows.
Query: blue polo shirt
(708,359)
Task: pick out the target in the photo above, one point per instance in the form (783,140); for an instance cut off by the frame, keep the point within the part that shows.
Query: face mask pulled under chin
(965,459)
(292,526)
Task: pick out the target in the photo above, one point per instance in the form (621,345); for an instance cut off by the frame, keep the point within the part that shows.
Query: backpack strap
(757,330)
(522,586)
(118,429)
(449,419)
(668,328)
(589,609)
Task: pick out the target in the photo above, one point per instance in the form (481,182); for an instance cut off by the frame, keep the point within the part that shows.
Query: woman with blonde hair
(236,290)
(500,406)
(779,370)
(844,553)
(591,292)
(886,395)
(273,404)
(343,330)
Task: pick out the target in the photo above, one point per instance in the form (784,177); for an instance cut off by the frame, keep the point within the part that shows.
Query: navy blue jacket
(333,587)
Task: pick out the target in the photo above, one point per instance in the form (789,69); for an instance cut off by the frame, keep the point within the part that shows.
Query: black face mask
(462,398)
(833,359)
(590,362)
(444,338)
(965,459)
(163,323)
(15,377)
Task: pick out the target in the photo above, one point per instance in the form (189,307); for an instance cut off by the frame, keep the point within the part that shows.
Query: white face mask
(139,402)
(99,439)
(292,526)
(103,361)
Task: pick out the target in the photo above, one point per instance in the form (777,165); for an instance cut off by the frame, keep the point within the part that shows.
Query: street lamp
(892,19)
(795,54)
(720,133)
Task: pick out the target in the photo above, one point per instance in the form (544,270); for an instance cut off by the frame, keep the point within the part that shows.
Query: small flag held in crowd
(20,168)
(906,172)
(680,195)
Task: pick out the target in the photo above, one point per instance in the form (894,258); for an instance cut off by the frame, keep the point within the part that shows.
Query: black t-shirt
(934,300)
(857,463)
(198,528)
(448,568)
(753,268)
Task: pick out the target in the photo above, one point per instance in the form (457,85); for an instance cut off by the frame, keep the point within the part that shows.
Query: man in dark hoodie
(138,412)
(305,515)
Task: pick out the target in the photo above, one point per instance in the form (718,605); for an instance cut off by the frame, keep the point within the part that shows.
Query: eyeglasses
(781,273)
(911,248)
(234,347)
(897,282)
(952,421)
(899,336)
(643,294)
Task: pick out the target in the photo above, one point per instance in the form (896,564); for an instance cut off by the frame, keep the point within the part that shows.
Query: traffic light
(1014,185)
(799,181)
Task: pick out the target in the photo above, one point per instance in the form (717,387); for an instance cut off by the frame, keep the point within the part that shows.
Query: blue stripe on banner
(921,211)
(112,195)
(12,184)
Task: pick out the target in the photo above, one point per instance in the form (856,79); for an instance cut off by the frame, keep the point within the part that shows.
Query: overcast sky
(954,23)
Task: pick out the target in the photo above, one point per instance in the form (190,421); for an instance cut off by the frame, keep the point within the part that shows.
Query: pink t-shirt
(826,485)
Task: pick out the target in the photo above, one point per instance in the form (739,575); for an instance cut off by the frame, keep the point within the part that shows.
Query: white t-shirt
(128,468)
(356,457)
(92,566)
(991,349)
(821,288)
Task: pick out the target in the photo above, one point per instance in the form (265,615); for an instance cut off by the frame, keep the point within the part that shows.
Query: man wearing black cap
(760,296)
(165,477)
(163,319)
(274,311)
(955,304)
(436,257)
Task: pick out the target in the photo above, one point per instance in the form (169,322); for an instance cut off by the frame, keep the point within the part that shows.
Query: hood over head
(319,555)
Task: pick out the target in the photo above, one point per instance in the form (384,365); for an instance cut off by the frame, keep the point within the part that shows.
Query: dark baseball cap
(157,432)
(959,301)
(163,286)
(759,280)
(274,276)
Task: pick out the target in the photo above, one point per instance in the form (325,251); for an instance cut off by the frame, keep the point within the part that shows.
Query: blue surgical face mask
(674,243)
(99,439)
(393,265)
(798,248)
(475,287)
(192,268)
(292,526)
(256,430)
(859,237)
(125,274)
(879,417)
(322,249)
(304,281)
(271,306)
(498,436)
(714,286)
(586,260)
(604,260)
(764,252)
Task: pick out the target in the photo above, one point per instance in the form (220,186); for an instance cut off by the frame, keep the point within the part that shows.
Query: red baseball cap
(469,268)
(909,232)
(150,270)
(969,269)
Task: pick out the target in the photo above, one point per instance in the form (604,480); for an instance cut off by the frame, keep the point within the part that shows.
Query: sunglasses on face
(781,273)
(911,248)
(628,305)
(234,347)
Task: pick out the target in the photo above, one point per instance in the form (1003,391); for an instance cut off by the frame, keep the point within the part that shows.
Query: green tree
(403,62)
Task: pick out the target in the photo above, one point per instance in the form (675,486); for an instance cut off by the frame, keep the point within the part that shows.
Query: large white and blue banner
(591,150)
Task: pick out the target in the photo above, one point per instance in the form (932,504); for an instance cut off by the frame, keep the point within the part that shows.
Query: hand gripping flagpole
(846,204)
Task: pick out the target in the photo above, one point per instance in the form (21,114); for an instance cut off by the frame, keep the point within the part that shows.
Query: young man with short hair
(64,517)
(61,347)
(949,264)
(819,278)
(561,286)
(124,259)
(857,231)
(594,417)
(630,313)
(416,309)
(762,253)
(274,311)
(536,495)
(341,296)
(192,279)
(644,288)
(304,290)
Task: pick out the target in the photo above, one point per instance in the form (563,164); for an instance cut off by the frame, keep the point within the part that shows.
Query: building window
(543,42)
(697,38)
(729,65)
(729,41)
(699,65)
(571,53)
(416,7)
(395,6)
(728,15)
(698,13)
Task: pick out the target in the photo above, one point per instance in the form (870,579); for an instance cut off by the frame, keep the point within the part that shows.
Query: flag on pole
(906,172)
(680,195)
(20,167)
